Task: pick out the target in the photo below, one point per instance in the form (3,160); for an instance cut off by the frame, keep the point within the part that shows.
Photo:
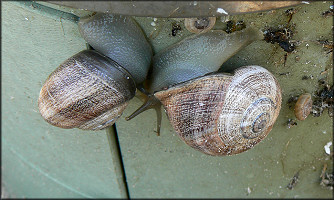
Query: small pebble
(327,149)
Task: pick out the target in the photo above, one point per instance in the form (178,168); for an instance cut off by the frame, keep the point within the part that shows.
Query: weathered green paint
(39,160)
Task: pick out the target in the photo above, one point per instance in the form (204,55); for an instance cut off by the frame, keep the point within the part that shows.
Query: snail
(217,114)
(91,89)
(200,24)
(303,106)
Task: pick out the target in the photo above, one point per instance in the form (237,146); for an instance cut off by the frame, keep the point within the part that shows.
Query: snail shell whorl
(199,24)
(251,107)
(303,106)
(121,39)
(193,109)
(224,115)
(87,91)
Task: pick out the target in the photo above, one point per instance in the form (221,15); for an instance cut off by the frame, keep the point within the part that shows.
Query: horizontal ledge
(177,9)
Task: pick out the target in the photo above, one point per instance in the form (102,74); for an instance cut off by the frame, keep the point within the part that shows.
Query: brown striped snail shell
(87,91)
(200,24)
(221,114)
(217,114)
(303,106)
(91,89)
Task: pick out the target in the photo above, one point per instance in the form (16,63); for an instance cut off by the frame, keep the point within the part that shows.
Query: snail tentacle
(150,103)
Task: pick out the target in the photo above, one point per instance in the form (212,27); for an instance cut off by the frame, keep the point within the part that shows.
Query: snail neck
(121,39)
(197,55)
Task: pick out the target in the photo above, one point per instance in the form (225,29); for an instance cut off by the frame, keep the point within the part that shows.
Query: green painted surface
(39,160)
(165,167)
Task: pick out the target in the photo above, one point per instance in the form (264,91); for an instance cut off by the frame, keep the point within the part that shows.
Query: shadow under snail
(218,114)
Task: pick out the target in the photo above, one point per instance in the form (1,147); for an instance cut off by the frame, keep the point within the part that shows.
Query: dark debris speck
(291,123)
(281,37)
(323,99)
(175,28)
(232,26)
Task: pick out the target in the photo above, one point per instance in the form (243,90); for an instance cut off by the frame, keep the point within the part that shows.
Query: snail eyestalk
(150,103)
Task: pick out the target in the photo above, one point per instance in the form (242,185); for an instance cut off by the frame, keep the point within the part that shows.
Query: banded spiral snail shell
(218,114)
(200,24)
(221,114)
(303,106)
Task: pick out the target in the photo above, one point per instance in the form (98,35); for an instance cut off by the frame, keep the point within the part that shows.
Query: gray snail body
(91,89)
(121,39)
(198,55)
(217,114)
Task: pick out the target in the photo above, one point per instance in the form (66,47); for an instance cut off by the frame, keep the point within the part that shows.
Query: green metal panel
(39,160)
(42,161)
